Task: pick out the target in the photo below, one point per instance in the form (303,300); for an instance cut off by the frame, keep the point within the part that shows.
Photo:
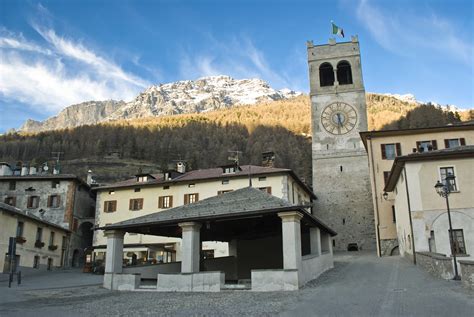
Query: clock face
(339,118)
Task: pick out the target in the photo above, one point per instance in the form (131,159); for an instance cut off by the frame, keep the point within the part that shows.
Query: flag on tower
(337,30)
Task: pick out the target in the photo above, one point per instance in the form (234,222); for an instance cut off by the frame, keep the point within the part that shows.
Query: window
(110,206)
(220,192)
(191,185)
(39,234)
(386,176)
(445,171)
(425,146)
(326,75)
(33,202)
(112,192)
(166,187)
(266,189)
(51,239)
(262,178)
(137,190)
(165,201)
(394,216)
(191,198)
(142,179)
(450,143)
(19,228)
(225,182)
(390,151)
(10,200)
(12,185)
(457,241)
(136,204)
(54,201)
(344,73)
(229,170)
(54,184)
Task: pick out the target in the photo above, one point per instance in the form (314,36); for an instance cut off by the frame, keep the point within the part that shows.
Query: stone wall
(387,246)
(436,264)
(467,274)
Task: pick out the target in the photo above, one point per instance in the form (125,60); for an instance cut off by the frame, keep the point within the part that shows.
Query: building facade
(62,199)
(146,194)
(39,244)
(383,147)
(340,170)
(422,218)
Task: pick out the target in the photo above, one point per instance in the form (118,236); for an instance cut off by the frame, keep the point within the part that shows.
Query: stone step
(235,287)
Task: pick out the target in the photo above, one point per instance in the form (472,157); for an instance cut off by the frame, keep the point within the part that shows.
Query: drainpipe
(409,214)
(377,226)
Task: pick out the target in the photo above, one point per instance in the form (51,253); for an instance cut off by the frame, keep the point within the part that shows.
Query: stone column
(291,239)
(315,240)
(114,255)
(190,247)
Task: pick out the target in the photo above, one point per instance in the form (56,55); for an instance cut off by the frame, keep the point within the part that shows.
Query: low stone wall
(436,264)
(467,273)
(121,281)
(191,282)
(150,271)
(274,280)
(313,265)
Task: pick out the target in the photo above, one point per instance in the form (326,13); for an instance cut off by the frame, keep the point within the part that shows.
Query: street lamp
(444,190)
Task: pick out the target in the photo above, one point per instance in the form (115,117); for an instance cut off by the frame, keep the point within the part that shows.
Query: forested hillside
(204,139)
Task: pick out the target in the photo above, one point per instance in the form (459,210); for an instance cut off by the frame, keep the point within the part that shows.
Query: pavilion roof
(243,202)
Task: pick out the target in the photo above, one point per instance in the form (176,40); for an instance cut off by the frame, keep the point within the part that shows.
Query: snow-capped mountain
(187,96)
(410,98)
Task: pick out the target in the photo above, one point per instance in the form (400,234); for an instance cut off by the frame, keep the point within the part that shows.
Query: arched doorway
(395,251)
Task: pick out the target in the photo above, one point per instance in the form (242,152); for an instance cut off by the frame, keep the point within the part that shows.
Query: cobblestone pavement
(360,285)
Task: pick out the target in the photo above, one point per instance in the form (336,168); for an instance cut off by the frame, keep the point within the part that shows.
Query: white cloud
(238,58)
(59,72)
(405,32)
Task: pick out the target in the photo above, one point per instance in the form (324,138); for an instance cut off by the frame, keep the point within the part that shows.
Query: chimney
(89,180)
(5,169)
(181,167)
(32,170)
(24,170)
(268,159)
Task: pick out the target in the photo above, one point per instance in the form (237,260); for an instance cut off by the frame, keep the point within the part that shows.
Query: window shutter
(462,141)
(197,197)
(105,207)
(418,145)
(446,143)
(58,201)
(399,149)
(384,156)
(160,202)
(434,144)
(14,201)
(269,190)
(114,205)
(29,203)
(140,203)
(130,204)
(186,199)
(49,201)
(171,201)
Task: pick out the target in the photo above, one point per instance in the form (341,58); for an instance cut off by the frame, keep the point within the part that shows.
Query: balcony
(39,244)
(20,240)
(52,247)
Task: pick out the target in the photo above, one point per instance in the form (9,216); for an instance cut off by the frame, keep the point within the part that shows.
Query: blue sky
(57,53)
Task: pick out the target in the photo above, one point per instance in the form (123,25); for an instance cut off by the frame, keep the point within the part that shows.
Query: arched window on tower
(344,73)
(326,75)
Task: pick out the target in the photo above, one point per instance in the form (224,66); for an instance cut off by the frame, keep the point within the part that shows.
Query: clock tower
(340,165)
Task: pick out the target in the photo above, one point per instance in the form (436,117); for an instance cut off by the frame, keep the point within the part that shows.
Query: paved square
(360,285)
